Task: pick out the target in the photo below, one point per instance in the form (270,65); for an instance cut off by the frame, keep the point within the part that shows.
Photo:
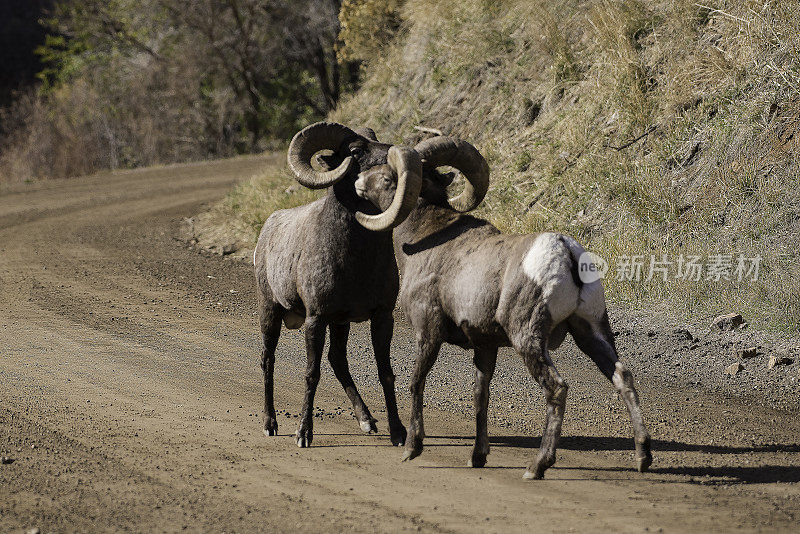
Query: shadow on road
(718,475)
(712,475)
(600,443)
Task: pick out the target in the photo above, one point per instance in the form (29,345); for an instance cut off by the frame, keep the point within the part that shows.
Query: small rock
(727,322)
(734,369)
(684,333)
(34,530)
(5,460)
(777,359)
(751,352)
(222,249)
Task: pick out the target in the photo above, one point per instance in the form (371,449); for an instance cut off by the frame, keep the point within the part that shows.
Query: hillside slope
(641,128)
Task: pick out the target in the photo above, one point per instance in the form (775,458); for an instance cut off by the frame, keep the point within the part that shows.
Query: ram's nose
(361,189)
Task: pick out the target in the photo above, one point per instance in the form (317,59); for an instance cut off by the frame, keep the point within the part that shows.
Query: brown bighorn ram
(328,263)
(467,284)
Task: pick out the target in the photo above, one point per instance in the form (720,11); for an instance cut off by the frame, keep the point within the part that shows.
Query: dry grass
(551,92)
(246,207)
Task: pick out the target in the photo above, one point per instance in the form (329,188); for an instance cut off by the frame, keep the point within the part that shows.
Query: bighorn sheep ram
(329,263)
(467,284)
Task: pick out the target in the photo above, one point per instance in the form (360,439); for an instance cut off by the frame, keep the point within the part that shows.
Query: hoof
(270,426)
(369,427)
(410,454)
(398,436)
(643,463)
(478,460)
(643,456)
(532,476)
(303,439)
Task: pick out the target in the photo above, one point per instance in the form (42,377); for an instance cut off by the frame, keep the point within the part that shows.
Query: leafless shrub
(162,81)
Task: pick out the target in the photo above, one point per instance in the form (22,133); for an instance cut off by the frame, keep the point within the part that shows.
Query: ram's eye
(356,151)
(387,180)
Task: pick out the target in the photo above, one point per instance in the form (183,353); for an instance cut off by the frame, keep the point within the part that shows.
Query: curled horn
(440,151)
(309,141)
(407,164)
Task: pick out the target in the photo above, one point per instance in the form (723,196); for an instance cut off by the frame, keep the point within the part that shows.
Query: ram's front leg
(427,352)
(315,342)
(485,361)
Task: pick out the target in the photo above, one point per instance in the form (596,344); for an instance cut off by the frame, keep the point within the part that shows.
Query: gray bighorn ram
(467,284)
(324,265)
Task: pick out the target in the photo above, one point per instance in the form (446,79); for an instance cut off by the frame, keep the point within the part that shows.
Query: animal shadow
(729,475)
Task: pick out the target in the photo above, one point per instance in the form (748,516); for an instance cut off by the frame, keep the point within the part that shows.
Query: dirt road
(130,394)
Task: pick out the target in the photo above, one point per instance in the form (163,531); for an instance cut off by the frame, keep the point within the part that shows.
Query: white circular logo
(591,267)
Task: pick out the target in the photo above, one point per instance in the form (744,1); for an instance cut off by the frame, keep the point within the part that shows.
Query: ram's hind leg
(535,354)
(271,314)
(337,356)
(555,391)
(315,343)
(597,341)
(485,361)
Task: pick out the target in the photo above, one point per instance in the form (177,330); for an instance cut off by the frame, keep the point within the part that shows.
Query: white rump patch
(548,263)
(538,261)
(592,303)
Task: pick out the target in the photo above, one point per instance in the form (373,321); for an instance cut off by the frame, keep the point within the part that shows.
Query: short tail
(575,251)
(591,297)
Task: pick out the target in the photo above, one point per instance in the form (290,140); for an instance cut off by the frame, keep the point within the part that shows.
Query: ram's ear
(327,162)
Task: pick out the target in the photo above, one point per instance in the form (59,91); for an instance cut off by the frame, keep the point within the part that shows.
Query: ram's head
(379,183)
(349,152)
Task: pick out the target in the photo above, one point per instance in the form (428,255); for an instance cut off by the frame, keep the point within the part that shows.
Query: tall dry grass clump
(240,216)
